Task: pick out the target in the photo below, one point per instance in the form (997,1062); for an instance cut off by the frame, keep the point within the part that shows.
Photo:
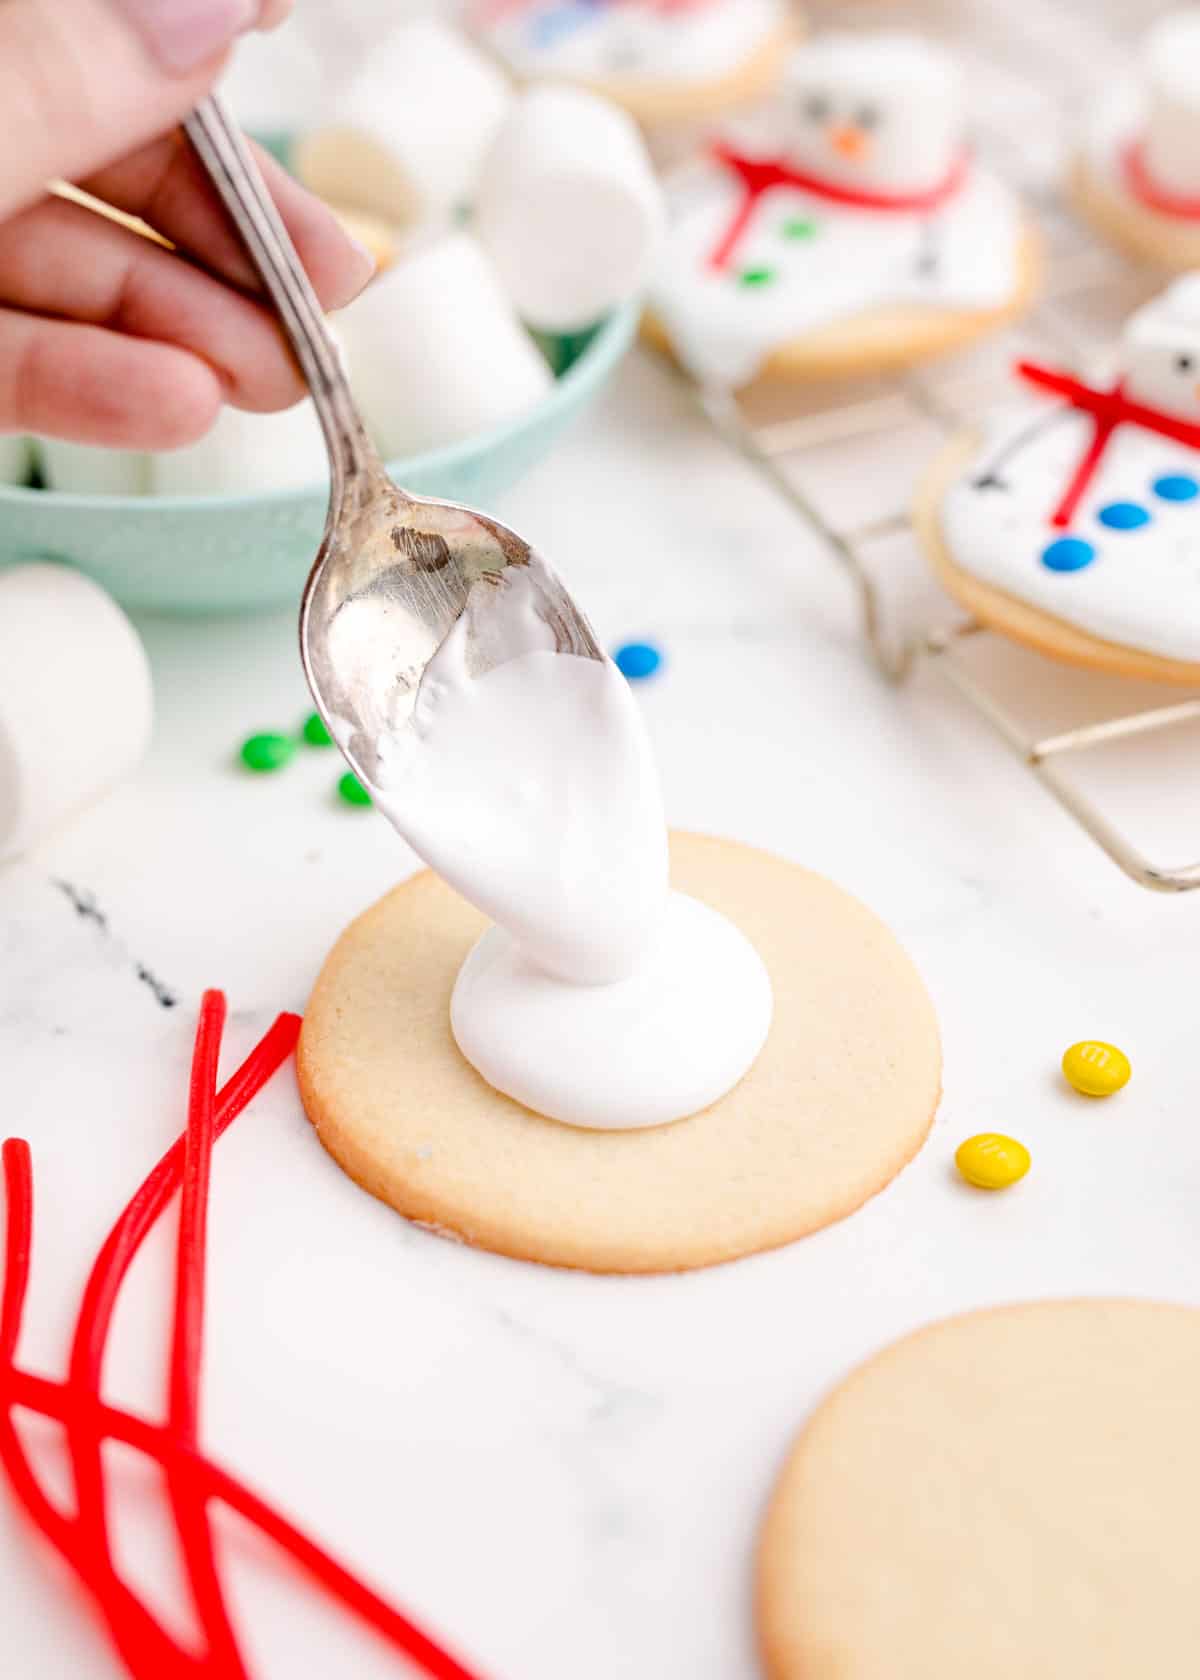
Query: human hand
(105,337)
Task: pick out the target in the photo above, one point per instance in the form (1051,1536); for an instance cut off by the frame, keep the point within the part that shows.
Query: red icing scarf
(758,176)
(1108,409)
(1146,190)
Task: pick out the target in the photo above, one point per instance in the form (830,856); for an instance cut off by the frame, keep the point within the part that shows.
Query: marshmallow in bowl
(15,458)
(437,350)
(84,469)
(568,208)
(406,136)
(244,454)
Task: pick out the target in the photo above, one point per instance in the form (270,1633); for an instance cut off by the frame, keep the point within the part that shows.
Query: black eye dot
(1185,364)
(817,108)
(868,116)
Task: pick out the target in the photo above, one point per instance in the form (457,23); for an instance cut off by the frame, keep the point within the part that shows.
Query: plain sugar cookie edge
(880,340)
(654,1251)
(1007,614)
(785,1651)
(654,104)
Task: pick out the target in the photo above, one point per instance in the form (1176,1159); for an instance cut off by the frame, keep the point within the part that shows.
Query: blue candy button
(1068,554)
(637,660)
(1176,487)
(1123,516)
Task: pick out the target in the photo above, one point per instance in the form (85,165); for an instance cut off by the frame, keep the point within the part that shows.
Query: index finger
(165,184)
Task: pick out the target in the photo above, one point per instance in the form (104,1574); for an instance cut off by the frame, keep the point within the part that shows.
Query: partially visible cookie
(1002,609)
(1073,523)
(664,64)
(840,1099)
(1011,1493)
(1136,177)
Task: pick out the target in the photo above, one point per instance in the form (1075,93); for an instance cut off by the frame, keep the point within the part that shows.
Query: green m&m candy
(315,732)
(352,791)
(267,751)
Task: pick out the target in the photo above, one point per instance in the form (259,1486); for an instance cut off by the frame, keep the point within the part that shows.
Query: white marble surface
(563,1474)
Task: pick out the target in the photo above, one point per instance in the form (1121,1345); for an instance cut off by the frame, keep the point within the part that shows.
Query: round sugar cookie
(661,67)
(881,339)
(840,1099)
(1032,622)
(1011,1493)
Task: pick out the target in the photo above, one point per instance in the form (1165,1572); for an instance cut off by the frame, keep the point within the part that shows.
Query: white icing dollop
(666,1042)
(600,998)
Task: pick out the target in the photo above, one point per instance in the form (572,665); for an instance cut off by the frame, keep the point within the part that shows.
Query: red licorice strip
(1108,409)
(148,1650)
(89,1421)
(758,176)
(117,1255)
(54,1400)
(188,1499)
(144,1645)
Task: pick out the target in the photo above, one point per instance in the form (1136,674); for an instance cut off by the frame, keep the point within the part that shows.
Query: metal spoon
(394,571)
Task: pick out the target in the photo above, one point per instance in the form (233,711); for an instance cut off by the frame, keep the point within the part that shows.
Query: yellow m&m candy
(992,1161)
(1096,1069)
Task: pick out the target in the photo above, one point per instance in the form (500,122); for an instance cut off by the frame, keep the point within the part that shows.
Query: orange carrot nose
(849,141)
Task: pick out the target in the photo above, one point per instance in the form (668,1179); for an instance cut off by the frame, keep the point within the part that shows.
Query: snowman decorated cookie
(664,60)
(1137,175)
(851,232)
(1075,525)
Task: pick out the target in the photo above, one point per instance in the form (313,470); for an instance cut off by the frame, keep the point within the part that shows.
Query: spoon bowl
(395,572)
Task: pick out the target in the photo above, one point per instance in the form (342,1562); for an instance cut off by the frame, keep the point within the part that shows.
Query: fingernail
(183,34)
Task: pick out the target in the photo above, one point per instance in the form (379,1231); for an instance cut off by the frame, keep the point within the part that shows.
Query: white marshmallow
(244,454)
(1161,351)
(275,83)
(82,469)
(1171,67)
(884,112)
(406,136)
(437,350)
(569,209)
(76,705)
(15,458)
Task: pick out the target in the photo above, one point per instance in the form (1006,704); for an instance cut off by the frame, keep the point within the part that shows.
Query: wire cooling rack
(1034,66)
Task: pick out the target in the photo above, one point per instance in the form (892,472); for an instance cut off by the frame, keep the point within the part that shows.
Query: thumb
(84,81)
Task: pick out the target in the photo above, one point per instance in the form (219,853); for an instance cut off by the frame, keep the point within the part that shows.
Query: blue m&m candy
(1176,487)
(1068,554)
(638,660)
(1123,516)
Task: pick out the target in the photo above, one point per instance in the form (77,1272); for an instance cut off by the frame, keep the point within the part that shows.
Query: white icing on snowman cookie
(628,40)
(1144,142)
(1089,508)
(860,195)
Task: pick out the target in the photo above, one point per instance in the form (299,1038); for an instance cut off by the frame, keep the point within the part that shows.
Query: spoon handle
(223,151)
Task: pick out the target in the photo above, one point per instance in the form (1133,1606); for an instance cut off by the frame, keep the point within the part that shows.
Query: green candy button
(315,732)
(757,276)
(267,752)
(352,791)
(799,227)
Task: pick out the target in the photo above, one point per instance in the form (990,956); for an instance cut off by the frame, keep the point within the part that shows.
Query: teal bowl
(194,554)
